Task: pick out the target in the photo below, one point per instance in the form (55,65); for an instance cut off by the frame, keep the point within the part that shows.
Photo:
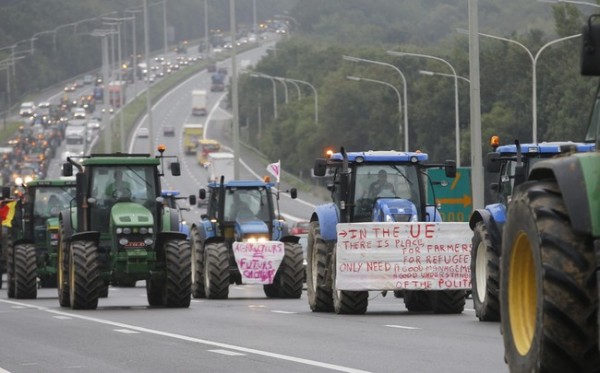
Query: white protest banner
(392,256)
(275,169)
(258,261)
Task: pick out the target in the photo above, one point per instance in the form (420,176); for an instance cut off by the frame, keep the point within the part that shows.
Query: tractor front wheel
(485,275)
(347,301)
(290,274)
(84,275)
(197,264)
(178,288)
(549,292)
(25,271)
(216,271)
(318,278)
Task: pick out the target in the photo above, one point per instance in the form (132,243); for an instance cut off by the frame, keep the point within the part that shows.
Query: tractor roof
(546,147)
(381,156)
(120,160)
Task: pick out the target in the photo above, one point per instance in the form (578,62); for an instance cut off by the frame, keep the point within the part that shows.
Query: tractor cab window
(383,181)
(47,203)
(245,204)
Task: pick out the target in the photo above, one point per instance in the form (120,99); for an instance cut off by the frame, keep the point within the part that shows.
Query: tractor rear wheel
(84,275)
(290,274)
(318,278)
(178,287)
(485,275)
(25,271)
(549,292)
(216,271)
(197,264)
(417,300)
(10,271)
(347,301)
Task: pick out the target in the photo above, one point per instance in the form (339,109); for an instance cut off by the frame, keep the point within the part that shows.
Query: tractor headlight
(256,239)
(127,230)
(119,230)
(123,241)
(149,241)
(143,230)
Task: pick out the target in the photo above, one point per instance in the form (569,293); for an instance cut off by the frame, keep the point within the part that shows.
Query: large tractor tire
(417,300)
(318,279)
(485,275)
(347,301)
(84,275)
(178,287)
(290,274)
(197,264)
(62,270)
(549,293)
(10,271)
(25,271)
(448,301)
(216,271)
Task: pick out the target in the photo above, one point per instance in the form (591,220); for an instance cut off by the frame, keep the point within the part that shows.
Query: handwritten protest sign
(258,262)
(391,256)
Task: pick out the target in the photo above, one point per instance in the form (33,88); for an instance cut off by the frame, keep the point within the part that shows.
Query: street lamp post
(456,114)
(534,59)
(405,99)
(285,88)
(359,79)
(314,92)
(148,101)
(134,41)
(103,34)
(165,27)
(261,75)
(435,73)
(206,45)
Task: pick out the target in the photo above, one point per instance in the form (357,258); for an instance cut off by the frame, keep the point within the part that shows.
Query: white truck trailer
(199,102)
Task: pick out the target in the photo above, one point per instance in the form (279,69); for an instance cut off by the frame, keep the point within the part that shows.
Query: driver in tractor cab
(240,209)
(381,185)
(118,188)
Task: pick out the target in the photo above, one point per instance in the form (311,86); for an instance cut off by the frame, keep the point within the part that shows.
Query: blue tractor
(507,167)
(170,198)
(372,186)
(241,218)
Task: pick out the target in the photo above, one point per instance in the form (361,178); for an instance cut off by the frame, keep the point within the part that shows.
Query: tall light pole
(103,34)
(206,41)
(474,95)
(261,75)
(234,94)
(359,79)
(534,59)
(315,93)
(165,27)
(356,59)
(456,114)
(148,101)
(435,73)
(133,32)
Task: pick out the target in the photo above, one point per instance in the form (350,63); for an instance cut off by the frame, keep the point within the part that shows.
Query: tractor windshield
(49,201)
(383,181)
(247,204)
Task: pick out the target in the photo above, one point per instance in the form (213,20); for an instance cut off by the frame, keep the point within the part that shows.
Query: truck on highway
(205,147)
(199,102)
(75,139)
(217,82)
(116,93)
(220,164)
(192,134)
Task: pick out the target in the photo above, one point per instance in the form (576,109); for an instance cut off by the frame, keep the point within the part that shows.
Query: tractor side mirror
(492,162)
(320,167)
(590,51)
(192,199)
(450,168)
(67,169)
(202,193)
(293,193)
(175,169)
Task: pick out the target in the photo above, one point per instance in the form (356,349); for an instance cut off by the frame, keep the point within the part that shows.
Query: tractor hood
(254,227)
(394,210)
(130,214)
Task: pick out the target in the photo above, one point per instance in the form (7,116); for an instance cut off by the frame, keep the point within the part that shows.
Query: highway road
(246,332)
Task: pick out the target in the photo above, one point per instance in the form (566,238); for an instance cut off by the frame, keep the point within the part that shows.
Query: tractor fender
(205,229)
(93,236)
(493,217)
(65,218)
(578,172)
(328,215)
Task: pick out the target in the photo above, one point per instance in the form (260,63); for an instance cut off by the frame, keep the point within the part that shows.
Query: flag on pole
(7,212)
(275,169)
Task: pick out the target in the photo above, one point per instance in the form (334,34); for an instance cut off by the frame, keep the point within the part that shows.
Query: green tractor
(118,231)
(34,236)
(551,255)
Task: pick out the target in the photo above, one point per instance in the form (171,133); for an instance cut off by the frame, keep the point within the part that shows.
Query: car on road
(301,227)
(27,109)
(88,79)
(168,131)
(143,132)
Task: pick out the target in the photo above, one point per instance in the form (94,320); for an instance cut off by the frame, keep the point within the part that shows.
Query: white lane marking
(17,307)
(284,312)
(402,327)
(196,301)
(126,331)
(273,355)
(257,306)
(228,353)
(62,317)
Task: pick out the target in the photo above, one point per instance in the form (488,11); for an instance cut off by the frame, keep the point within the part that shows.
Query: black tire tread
(179,285)
(320,295)
(216,267)
(487,309)
(25,271)
(85,290)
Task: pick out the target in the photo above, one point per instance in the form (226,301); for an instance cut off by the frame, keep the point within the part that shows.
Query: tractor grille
(402,217)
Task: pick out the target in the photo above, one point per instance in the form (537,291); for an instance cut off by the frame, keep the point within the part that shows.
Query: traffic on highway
(156,214)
